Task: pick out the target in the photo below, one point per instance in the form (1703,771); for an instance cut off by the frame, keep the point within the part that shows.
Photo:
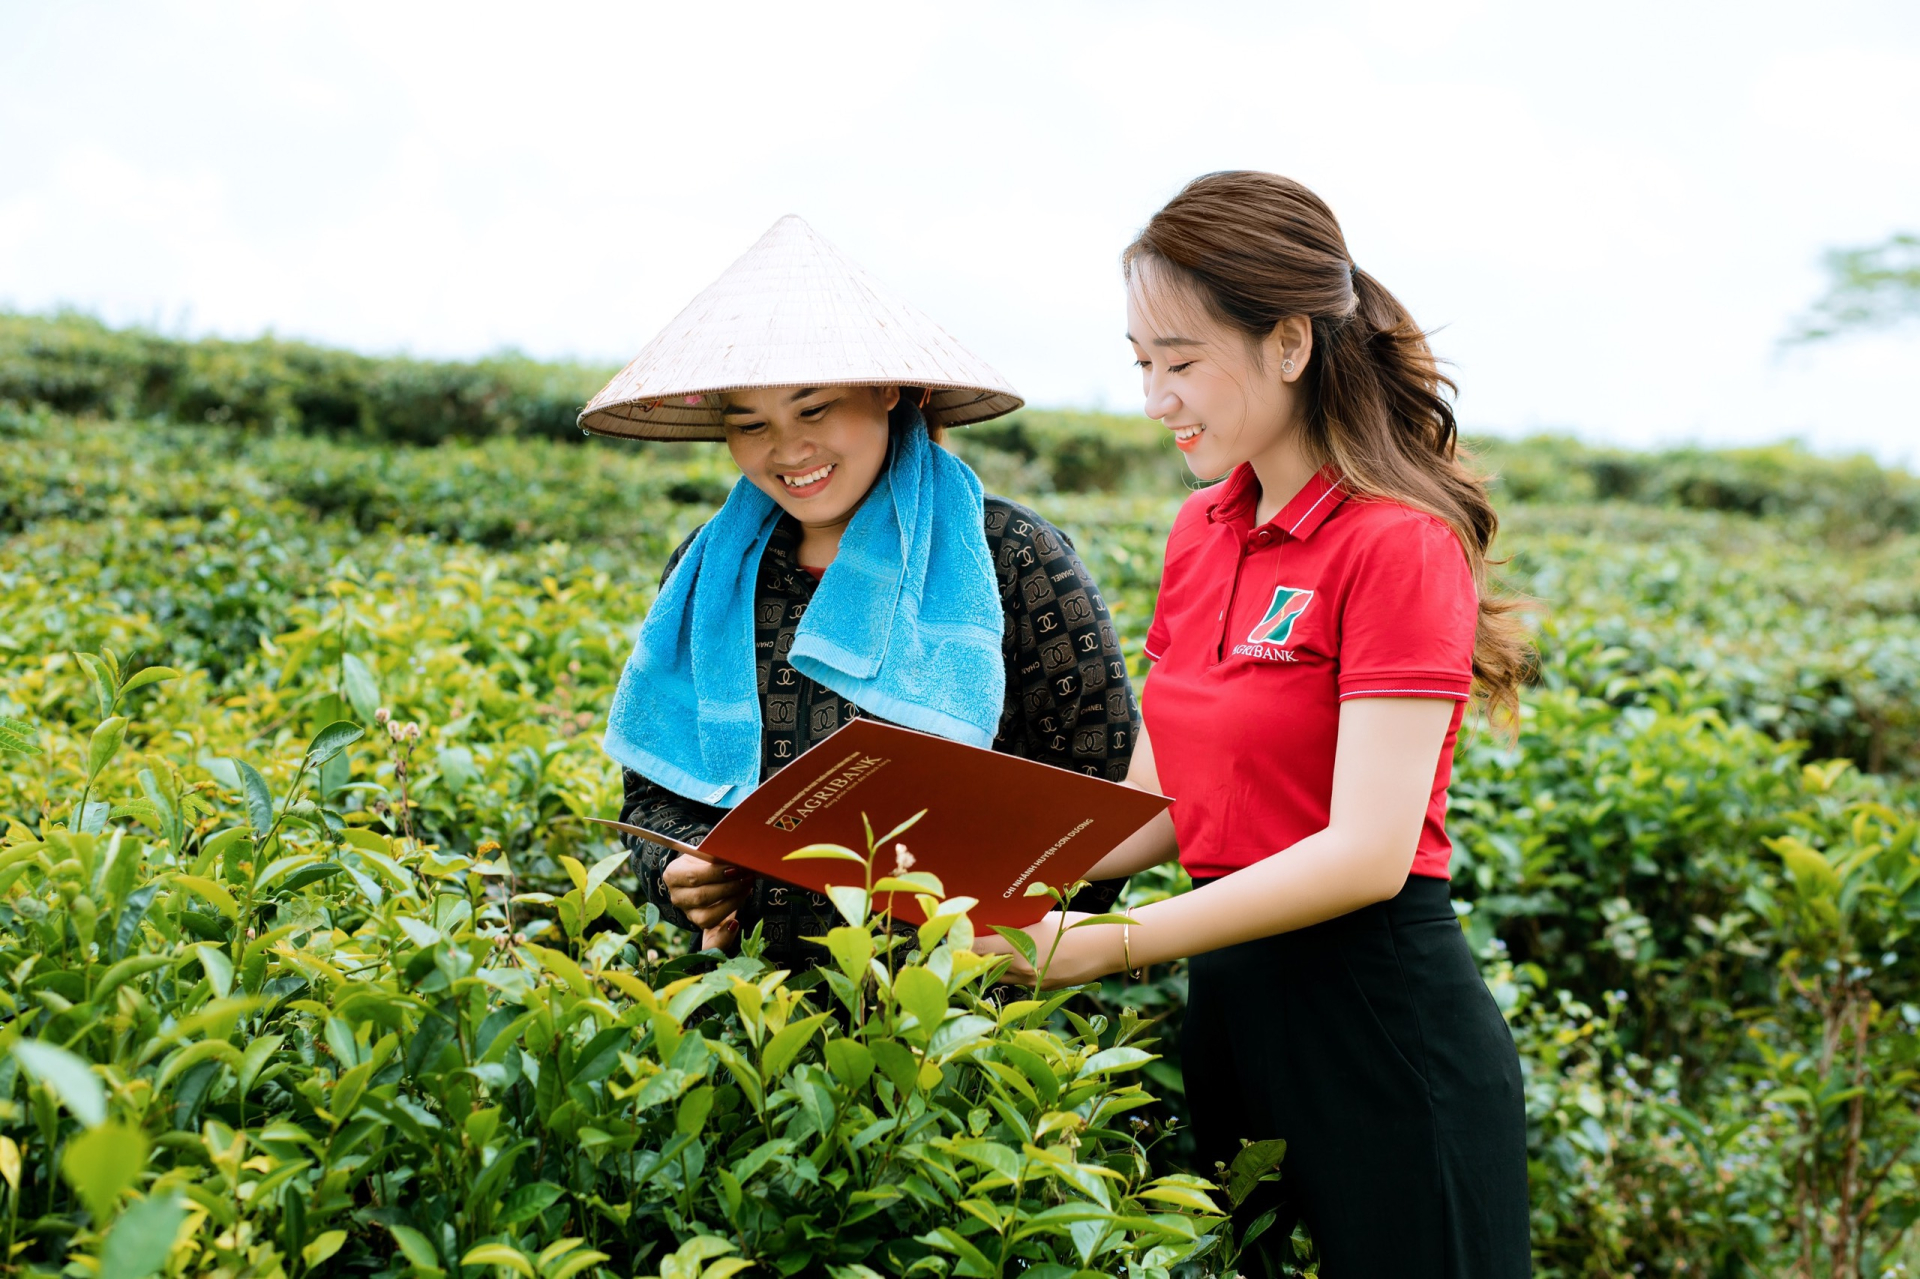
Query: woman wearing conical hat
(856,569)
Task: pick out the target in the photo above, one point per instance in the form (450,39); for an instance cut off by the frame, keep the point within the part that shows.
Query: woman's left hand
(1084,955)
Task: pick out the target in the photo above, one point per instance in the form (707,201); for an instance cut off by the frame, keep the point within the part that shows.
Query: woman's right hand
(706,892)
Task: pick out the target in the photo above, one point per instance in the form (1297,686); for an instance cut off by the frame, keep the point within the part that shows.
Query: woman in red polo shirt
(1321,628)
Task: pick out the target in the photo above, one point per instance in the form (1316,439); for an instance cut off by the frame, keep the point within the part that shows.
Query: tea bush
(1716,1032)
(299,1043)
(78,365)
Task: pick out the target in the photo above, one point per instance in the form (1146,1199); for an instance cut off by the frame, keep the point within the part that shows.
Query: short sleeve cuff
(1452,687)
(1157,637)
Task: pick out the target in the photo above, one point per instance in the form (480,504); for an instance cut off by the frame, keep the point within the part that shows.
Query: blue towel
(906,625)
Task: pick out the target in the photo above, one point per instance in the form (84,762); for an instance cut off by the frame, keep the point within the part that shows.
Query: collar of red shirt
(1308,510)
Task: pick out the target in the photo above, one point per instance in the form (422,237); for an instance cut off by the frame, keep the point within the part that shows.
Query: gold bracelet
(1126,954)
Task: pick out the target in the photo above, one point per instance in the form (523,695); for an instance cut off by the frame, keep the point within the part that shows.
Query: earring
(1286,367)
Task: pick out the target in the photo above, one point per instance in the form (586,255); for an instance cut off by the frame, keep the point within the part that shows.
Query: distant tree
(1867,288)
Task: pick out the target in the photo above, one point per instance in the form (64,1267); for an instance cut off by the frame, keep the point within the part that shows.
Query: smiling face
(814,450)
(1227,398)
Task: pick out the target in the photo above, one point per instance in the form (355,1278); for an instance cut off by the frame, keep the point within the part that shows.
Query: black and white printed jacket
(1068,703)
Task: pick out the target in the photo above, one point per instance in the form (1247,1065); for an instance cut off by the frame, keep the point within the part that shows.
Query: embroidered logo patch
(1288,604)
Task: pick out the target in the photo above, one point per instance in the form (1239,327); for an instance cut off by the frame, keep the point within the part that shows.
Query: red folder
(994,823)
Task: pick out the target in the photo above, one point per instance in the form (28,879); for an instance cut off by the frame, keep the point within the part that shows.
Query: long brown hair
(1255,248)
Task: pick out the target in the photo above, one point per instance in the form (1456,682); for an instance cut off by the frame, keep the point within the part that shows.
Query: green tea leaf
(323,1247)
(419,932)
(581,1260)
(851,949)
(497,1254)
(1118,1058)
(308,875)
(481,1125)
(830,852)
(183,1060)
(415,1247)
(923,994)
(897,1062)
(851,901)
(359,687)
(140,1241)
(1181,1196)
(1000,1159)
(1022,941)
(101,1163)
(695,1106)
(259,798)
(1255,1160)
(850,1061)
(1110,918)
(782,1048)
(457,768)
(563,967)
(621,907)
(524,1203)
(497,1173)
(916,881)
(1811,871)
(93,818)
(151,675)
(66,1076)
(214,845)
(105,744)
(900,830)
(331,740)
(662,1088)
(972,1260)
(102,684)
(131,915)
(125,971)
(254,1059)
(603,870)
(218,966)
(213,894)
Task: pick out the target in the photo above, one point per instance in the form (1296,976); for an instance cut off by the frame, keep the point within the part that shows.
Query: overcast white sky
(1611,211)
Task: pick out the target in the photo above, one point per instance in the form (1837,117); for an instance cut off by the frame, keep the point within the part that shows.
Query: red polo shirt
(1261,633)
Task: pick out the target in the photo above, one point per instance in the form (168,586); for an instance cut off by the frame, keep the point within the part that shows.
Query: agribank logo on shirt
(1268,639)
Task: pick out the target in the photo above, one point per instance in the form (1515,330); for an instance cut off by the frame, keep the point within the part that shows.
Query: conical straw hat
(794,311)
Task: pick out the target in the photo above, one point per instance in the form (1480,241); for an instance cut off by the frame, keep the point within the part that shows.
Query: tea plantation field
(291,987)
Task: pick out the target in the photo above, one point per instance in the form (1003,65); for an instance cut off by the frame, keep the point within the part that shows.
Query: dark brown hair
(1256,248)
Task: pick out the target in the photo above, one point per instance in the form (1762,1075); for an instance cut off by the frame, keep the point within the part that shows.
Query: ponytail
(1255,248)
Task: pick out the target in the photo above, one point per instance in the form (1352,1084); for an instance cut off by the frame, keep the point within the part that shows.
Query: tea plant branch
(326,744)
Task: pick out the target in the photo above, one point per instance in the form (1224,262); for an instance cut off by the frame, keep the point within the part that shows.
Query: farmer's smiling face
(814,450)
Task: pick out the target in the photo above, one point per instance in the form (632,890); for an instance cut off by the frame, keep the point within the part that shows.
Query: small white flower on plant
(902,859)
(381,717)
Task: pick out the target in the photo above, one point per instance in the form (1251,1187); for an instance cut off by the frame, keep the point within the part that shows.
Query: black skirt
(1372,1046)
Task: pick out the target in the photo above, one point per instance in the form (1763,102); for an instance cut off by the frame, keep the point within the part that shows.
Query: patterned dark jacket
(1068,703)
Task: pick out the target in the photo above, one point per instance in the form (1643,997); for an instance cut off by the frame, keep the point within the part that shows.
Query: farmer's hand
(706,892)
(725,936)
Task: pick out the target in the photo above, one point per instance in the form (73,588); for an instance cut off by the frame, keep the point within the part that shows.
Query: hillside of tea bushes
(289,989)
